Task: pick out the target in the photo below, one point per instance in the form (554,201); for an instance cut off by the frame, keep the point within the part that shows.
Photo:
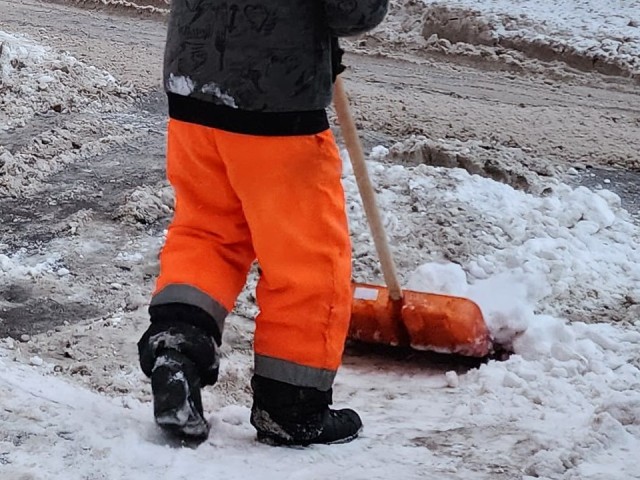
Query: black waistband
(200,112)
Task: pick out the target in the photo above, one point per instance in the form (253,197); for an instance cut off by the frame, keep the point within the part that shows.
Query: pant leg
(207,253)
(293,200)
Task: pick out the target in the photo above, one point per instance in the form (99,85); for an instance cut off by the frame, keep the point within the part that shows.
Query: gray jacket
(260,55)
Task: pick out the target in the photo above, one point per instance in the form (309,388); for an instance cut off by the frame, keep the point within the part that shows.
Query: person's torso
(254,55)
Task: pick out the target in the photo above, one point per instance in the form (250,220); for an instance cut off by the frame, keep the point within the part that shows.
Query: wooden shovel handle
(354,147)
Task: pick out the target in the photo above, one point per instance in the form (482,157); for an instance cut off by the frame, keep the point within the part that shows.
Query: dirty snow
(595,30)
(582,32)
(37,80)
(555,269)
(38,84)
(598,28)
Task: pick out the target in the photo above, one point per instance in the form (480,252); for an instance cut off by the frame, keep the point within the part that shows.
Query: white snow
(180,85)
(561,252)
(565,406)
(556,271)
(21,265)
(216,91)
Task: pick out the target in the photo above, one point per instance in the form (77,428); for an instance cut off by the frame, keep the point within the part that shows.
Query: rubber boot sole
(275,441)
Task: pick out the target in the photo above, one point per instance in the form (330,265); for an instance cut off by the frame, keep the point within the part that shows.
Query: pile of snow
(147,204)
(569,252)
(597,29)
(54,110)
(514,166)
(587,34)
(36,80)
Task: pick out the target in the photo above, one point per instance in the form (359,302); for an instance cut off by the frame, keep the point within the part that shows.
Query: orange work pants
(278,199)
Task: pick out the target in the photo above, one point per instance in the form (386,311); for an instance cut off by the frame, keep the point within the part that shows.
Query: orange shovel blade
(424,321)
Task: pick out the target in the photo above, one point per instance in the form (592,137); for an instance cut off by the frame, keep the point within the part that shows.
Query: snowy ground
(566,408)
(555,268)
(587,34)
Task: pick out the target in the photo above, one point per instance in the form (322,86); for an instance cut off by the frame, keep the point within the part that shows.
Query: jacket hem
(222,117)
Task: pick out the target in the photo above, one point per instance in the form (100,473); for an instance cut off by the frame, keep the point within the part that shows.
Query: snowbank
(572,253)
(36,81)
(55,109)
(157,7)
(585,34)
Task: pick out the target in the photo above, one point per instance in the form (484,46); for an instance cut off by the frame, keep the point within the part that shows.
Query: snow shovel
(388,315)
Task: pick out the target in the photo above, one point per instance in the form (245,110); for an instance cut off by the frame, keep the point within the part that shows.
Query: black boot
(285,414)
(178,352)
(177,405)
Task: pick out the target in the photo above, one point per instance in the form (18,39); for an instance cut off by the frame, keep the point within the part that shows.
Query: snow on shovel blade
(423,321)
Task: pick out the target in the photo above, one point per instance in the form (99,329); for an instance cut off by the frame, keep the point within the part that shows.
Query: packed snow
(565,407)
(555,269)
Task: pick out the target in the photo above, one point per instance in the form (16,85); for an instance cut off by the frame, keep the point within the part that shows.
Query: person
(257,175)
